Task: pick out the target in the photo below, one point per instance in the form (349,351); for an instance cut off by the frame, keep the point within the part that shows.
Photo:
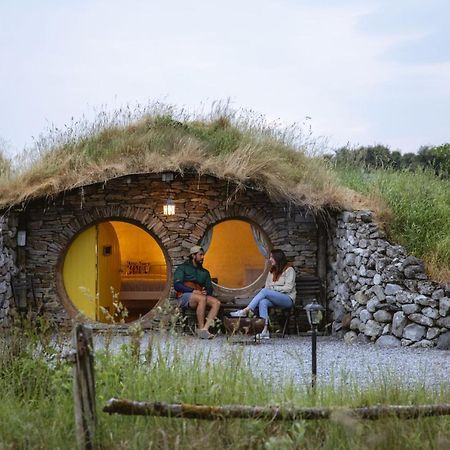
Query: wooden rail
(188,411)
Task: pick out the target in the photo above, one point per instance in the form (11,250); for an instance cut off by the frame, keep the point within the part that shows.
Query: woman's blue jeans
(268,298)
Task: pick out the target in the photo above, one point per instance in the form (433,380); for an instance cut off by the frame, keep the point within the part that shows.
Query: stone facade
(201,202)
(377,292)
(8,268)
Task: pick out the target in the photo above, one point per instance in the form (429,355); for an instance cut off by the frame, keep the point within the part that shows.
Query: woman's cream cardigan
(285,283)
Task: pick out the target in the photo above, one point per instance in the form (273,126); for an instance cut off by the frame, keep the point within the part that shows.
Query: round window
(114,272)
(237,253)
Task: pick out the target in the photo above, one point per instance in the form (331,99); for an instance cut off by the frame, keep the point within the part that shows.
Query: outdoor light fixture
(169,207)
(314,312)
(20,287)
(21,238)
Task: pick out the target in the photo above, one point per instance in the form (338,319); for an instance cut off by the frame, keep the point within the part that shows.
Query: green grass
(36,409)
(420,206)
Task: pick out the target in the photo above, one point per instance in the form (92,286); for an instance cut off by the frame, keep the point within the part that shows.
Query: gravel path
(337,362)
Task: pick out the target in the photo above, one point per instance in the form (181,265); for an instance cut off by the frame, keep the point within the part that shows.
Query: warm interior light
(21,238)
(169,208)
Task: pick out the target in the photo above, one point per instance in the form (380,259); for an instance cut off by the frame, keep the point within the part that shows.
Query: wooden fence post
(84,387)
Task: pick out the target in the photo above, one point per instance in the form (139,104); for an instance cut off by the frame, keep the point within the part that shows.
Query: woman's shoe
(238,313)
(263,335)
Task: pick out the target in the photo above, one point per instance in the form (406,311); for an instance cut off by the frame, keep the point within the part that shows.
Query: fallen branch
(188,411)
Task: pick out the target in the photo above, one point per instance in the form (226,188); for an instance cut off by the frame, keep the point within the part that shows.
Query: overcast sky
(365,72)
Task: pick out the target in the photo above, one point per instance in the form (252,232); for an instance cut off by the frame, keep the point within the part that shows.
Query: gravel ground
(337,362)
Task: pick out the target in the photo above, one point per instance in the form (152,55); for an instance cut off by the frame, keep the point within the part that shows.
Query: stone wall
(8,227)
(377,292)
(200,203)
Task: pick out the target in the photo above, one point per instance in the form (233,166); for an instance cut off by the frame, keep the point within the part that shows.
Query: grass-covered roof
(239,147)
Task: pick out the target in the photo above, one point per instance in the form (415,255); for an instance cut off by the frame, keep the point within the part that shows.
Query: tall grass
(236,145)
(420,211)
(36,407)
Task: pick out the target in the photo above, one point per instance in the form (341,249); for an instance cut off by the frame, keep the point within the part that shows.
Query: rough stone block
(414,332)
(421,319)
(382,316)
(373,328)
(399,322)
(443,342)
(410,308)
(388,341)
(444,306)
(392,289)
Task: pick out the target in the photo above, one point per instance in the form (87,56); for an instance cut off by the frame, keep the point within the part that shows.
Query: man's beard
(199,263)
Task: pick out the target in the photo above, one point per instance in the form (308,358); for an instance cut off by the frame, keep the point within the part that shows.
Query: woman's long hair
(280,263)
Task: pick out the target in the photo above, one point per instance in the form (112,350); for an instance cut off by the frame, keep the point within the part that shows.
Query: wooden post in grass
(83,387)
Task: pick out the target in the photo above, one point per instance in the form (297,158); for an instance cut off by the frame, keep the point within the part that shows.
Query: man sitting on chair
(194,289)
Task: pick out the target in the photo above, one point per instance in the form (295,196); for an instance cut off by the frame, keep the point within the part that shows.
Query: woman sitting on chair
(279,291)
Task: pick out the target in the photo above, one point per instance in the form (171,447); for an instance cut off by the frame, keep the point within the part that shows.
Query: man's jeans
(268,298)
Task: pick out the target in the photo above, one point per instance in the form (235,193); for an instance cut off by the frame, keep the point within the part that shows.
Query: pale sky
(365,72)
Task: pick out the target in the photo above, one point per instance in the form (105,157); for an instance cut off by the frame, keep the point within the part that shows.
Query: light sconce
(21,238)
(169,207)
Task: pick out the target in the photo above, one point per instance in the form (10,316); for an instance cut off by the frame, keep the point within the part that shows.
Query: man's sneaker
(238,313)
(263,335)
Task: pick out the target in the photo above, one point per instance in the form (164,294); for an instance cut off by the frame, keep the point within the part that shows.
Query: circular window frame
(226,293)
(73,311)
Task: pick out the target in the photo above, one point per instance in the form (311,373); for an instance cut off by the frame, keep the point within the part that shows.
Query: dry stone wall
(8,227)
(377,292)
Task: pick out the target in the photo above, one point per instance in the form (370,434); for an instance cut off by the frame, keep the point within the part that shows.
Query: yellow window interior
(114,264)
(233,257)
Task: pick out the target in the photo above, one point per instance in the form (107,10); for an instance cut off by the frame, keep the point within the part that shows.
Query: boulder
(399,322)
(372,304)
(355,323)
(424,343)
(421,319)
(388,341)
(361,297)
(350,337)
(365,315)
(443,322)
(430,312)
(410,308)
(424,300)
(414,332)
(412,271)
(438,294)
(378,291)
(432,333)
(373,328)
(443,342)
(377,279)
(425,287)
(444,306)
(392,289)
(382,316)
(346,319)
